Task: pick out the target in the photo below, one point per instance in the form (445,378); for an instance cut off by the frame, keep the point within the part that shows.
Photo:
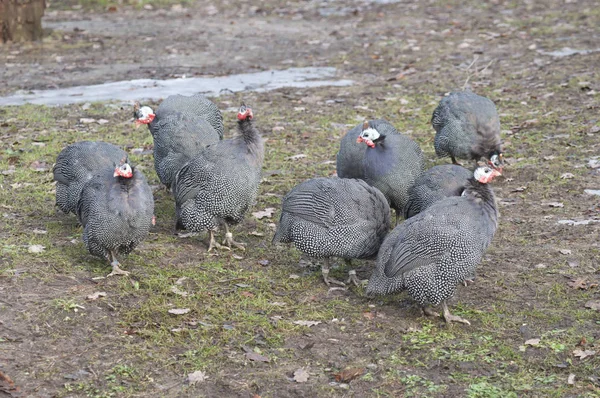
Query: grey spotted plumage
(392,162)
(468,127)
(429,254)
(334,217)
(181,127)
(434,184)
(219,185)
(116,214)
(76,164)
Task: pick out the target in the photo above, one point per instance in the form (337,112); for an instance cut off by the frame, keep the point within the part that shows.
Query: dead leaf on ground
(567,176)
(36,249)
(247,294)
(593,304)
(8,386)
(39,166)
(179,311)
(256,357)
(347,375)
(268,212)
(296,157)
(196,377)
(179,292)
(581,283)
(368,315)
(519,189)
(96,296)
(571,379)
(86,120)
(565,251)
(533,342)
(301,376)
(582,354)
(307,323)
(556,204)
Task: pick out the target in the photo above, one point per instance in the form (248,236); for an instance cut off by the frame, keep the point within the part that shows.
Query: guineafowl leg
(448,317)
(115,266)
(429,311)
(454,161)
(213,243)
(229,239)
(352,278)
(325,272)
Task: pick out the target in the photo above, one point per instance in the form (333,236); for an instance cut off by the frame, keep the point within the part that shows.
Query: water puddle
(567,51)
(149,89)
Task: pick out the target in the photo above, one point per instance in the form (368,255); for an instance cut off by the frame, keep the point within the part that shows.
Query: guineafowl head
(245,113)
(142,114)
(369,135)
(485,174)
(124,169)
(496,160)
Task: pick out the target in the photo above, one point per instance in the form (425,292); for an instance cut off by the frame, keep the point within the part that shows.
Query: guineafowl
(392,162)
(221,183)
(181,127)
(76,164)
(116,210)
(350,157)
(467,126)
(437,183)
(431,253)
(334,217)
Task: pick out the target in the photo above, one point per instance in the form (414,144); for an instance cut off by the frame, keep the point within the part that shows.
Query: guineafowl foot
(468,282)
(352,278)
(214,244)
(230,242)
(448,317)
(325,272)
(116,270)
(455,162)
(429,312)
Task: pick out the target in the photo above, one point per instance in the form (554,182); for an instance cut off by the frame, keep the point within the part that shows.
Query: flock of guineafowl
(450,212)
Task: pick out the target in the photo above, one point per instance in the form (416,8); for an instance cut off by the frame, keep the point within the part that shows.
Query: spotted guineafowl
(431,253)
(76,164)
(116,210)
(221,183)
(334,217)
(181,127)
(350,157)
(437,183)
(392,162)
(467,126)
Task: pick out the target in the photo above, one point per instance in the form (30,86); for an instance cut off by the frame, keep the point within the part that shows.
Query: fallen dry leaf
(565,251)
(8,386)
(347,375)
(179,292)
(268,212)
(256,233)
(571,379)
(196,377)
(247,294)
(86,120)
(96,296)
(307,323)
(368,315)
(39,166)
(582,354)
(296,157)
(581,283)
(593,304)
(567,176)
(36,249)
(533,342)
(556,204)
(179,311)
(519,189)
(256,357)
(301,376)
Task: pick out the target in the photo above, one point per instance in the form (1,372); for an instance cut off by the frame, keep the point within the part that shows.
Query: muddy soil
(403,56)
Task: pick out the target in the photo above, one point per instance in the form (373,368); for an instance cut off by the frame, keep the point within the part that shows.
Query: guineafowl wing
(314,204)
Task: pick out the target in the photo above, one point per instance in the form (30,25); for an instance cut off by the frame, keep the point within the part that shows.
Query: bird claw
(116,270)
(454,318)
(215,245)
(328,281)
(430,312)
(352,278)
(468,282)
(230,242)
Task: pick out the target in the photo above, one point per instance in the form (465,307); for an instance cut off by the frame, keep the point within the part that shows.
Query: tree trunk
(21,20)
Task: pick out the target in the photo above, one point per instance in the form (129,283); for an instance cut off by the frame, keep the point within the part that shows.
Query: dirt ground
(535,303)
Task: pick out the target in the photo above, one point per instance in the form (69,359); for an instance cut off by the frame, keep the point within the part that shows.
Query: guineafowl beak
(124,171)
(144,120)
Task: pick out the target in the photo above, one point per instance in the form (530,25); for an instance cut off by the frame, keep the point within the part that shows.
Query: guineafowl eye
(370,134)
